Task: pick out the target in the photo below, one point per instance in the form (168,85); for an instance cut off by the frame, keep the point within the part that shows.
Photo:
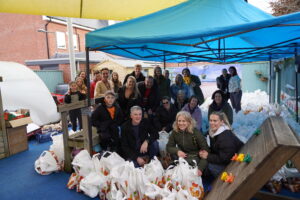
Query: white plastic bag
(107,162)
(58,147)
(47,163)
(92,183)
(154,171)
(83,164)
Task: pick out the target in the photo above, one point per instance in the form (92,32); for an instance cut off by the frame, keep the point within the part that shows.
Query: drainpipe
(47,40)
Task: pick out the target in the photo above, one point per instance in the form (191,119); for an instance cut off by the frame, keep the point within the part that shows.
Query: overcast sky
(261,4)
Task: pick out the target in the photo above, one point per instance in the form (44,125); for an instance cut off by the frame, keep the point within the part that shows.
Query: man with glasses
(165,115)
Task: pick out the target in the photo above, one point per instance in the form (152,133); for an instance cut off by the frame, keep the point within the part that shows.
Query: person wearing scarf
(195,111)
(220,104)
(194,84)
(223,144)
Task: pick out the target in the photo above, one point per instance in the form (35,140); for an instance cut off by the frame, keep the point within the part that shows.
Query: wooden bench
(270,150)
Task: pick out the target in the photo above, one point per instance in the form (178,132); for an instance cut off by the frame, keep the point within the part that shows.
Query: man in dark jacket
(139,143)
(149,95)
(107,118)
(137,74)
(222,82)
(165,115)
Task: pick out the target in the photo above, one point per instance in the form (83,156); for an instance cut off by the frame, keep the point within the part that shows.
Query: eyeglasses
(165,102)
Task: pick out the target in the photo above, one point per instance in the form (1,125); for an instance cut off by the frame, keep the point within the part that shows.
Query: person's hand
(203,154)
(199,172)
(140,161)
(181,154)
(144,147)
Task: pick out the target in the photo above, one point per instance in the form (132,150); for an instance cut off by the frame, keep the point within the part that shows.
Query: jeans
(235,99)
(153,150)
(215,169)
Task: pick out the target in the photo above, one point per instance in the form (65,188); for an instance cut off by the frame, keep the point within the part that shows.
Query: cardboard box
(17,139)
(18,122)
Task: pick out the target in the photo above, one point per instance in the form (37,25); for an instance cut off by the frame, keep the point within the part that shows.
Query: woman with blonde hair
(186,141)
(223,143)
(81,85)
(129,96)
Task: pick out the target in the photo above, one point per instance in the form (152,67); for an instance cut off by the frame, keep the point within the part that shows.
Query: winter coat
(165,118)
(222,83)
(163,86)
(139,79)
(175,88)
(234,84)
(189,143)
(153,100)
(106,126)
(196,115)
(224,107)
(128,140)
(223,147)
(101,88)
(197,90)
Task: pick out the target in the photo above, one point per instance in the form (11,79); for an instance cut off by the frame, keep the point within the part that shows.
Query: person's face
(185,73)
(138,70)
(109,100)
(136,116)
(98,77)
(82,75)
(79,81)
(115,76)
(193,103)
(180,96)
(105,74)
(182,123)
(231,71)
(215,122)
(178,79)
(148,83)
(167,74)
(158,71)
(224,72)
(74,87)
(166,104)
(130,83)
(218,98)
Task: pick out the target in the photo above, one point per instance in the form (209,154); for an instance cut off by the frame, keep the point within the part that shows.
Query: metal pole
(164,61)
(87,68)
(296,92)
(270,81)
(71,48)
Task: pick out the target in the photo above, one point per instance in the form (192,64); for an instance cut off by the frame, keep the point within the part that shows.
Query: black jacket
(139,79)
(164,118)
(68,98)
(106,126)
(222,83)
(128,140)
(223,147)
(153,100)
(224,107)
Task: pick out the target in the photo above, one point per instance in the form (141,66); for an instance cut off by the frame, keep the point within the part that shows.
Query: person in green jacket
(220,104)
(186,141)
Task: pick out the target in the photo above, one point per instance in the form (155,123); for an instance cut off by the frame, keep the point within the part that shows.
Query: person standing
(194,83)
(72,96)
(167,76)
(223,144)
(137,74)
(235,89)
(97,78)
(81,85)
(115,80)
(179,85)
(138,139)
(222,83)
(162,83)
(103,85)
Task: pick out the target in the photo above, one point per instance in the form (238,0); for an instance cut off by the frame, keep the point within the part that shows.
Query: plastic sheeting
(22,88)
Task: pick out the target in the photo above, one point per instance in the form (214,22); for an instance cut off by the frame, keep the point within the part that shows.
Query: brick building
(41,42)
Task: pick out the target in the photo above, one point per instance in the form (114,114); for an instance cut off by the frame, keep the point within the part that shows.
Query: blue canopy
(202,30)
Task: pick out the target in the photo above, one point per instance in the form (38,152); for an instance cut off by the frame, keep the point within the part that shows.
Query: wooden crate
(17,139)
(77,140)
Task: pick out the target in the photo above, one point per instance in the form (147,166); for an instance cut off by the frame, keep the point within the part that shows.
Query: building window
(61,40)
(75,42)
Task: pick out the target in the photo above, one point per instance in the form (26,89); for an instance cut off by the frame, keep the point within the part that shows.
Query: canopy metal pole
(270,71)
(296,92)
(87,61)
(164,61)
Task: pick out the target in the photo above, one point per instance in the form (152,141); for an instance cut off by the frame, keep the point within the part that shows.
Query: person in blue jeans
(138,139)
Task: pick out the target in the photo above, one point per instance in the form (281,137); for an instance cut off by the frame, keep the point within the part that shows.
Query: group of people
(129,117)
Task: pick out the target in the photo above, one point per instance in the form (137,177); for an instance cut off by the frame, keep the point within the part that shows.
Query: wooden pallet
(270,150)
